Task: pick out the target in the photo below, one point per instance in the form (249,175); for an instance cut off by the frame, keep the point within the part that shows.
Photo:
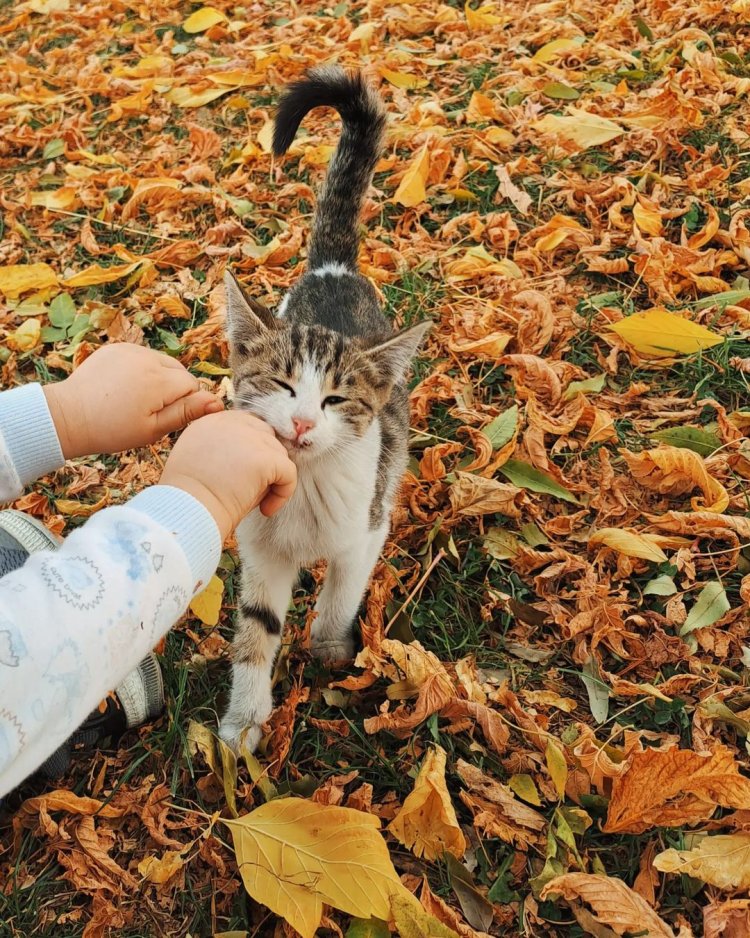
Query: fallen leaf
(403,79)
(427,822)
(629,543)
(507,188)
(675,471)
(614,903)
(18,279)
(581,128)
(96,274)
(411,190)
(474,495)
(207,604)
(722,861)
(26,337)
(557,47)
(674,787)
(294,856)
(413,922)
(528,477)
(203,19)
(710,606)
(557,766)
(657,333)
(161,869)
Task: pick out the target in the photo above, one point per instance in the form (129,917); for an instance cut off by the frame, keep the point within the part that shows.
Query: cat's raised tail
(335,235)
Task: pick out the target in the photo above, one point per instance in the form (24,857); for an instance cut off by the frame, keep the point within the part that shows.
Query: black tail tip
(349,93)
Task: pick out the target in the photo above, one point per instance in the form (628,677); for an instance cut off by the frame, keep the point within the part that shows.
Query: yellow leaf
(294,856)
(208,368)
(362,33)
(237,78)
(265,136)
(523,786)
(318,156)
(499,136)
(207,604)
(412,921)
(629,543)
(160,869)
(548,698)
(557,766)
(427,823)
(556,48)
(657,333)
(411,190)
(614,903)
(187,97)
(64,198)
(482,17)
(403,79)
(481,108)
(202,20)
(478,261)
(722,861)
(96,274)
(583,129)
(23,278)
(25,337)
(463,195)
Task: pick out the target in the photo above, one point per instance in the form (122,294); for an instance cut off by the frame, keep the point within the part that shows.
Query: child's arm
(74,622)
(121,397)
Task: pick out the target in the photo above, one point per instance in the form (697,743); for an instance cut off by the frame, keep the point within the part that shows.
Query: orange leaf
(671,470)
(670,788)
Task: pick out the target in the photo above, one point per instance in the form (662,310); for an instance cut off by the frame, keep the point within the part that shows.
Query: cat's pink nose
(302,426)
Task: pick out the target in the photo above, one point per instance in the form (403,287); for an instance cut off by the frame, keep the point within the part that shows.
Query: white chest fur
(329,510)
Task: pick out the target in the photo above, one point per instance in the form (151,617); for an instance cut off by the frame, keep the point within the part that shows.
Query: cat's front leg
(264,601)
(345,584)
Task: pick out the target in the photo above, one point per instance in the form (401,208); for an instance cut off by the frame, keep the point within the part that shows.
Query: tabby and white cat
(327,372)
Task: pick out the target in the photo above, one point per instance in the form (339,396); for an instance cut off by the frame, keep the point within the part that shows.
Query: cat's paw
(329,650)
(240,736)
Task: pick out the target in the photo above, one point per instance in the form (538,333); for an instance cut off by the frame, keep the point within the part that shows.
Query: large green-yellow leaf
(659,334)
(294,856)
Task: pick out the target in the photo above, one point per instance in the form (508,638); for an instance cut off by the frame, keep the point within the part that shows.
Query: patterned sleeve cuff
(29,433)
(190,522)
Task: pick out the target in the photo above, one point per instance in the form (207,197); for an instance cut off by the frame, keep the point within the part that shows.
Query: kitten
(328,374)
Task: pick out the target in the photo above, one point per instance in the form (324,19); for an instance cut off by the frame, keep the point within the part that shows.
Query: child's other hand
(231,462)
(124,396)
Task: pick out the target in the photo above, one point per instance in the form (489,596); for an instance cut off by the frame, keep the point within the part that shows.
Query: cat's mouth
(293,445)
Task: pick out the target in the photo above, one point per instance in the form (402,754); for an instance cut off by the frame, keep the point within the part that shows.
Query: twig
(422,580)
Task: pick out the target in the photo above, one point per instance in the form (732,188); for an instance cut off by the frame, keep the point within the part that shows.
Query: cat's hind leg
(264,601)
(345,584)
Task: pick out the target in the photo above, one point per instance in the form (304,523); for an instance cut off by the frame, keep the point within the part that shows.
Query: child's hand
(231,462)
(124,396)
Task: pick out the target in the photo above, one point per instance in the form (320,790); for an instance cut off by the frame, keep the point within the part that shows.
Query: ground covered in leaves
(550,714)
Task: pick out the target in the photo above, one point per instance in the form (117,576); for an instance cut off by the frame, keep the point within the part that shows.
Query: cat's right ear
(246,317)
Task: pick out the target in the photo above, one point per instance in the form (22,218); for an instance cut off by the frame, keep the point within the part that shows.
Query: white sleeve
(75,621)
(29,445)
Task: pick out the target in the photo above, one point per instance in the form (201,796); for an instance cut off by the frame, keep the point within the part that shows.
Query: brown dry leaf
(496,810)
(474,495)
(614,903)
(161,869)
(674,787)
(728,919)
(427,822)
(674,471)
(424,677)
(494,728)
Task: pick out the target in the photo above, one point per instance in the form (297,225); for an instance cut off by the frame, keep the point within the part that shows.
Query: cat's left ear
(395,354)
(246,317)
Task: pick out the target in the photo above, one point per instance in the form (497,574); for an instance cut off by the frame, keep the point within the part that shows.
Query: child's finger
(281,491)
(181,412)
(176,383)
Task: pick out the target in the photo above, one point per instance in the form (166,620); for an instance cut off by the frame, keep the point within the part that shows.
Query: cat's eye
(285,386)
(332,400)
